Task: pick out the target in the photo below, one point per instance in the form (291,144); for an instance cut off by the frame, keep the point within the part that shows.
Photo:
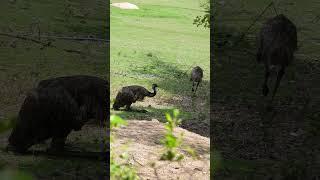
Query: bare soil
(141,140)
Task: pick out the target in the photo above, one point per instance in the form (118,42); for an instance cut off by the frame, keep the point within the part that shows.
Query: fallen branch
(76,38)
(44,44)
(254,22)
(23,38)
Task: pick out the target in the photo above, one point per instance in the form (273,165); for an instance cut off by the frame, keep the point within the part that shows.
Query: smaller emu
(277,43)
(196,76)
(130,94)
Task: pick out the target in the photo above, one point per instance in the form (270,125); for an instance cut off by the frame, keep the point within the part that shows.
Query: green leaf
(116,121)
(168,117)
(176,113)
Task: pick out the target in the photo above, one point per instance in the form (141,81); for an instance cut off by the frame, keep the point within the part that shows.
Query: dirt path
(144,148)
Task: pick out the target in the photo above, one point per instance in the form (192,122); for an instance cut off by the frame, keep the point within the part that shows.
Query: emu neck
(153,93)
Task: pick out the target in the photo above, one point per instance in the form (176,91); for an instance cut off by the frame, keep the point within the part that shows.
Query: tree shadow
(239,110)
(170,76)
(152,113)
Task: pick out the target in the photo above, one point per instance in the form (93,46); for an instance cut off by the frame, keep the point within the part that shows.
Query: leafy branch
(172,142)
(203,20)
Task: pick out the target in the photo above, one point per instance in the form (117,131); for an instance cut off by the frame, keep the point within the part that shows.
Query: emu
(277,43)
(130,94)
(90,92)
(196,77)
(55,108)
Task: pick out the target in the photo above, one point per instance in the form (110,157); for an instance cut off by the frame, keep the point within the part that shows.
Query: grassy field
(24,63)
(256,144)
(159,44)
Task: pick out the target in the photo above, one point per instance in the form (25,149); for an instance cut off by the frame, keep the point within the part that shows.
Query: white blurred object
(125,5)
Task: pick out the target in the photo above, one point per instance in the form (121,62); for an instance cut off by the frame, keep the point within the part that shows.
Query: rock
(125,5)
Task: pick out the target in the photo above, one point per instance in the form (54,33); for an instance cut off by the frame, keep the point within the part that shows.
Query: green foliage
(203,20)
(119,171)
(7,124)
(171,142)
(116,121)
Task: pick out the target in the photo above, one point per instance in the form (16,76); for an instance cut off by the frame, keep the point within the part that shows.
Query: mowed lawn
(158,43)
(24,63)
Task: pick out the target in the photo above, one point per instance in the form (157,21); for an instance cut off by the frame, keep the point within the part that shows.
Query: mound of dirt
(141,140)
(125,5)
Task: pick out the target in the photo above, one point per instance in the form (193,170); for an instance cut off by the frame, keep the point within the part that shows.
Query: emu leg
(192,86)
(128,107)
(265,89)
(116,108)
(279,77)
(57,143)
(197,86)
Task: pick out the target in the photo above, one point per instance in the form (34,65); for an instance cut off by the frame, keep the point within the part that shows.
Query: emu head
(154,87)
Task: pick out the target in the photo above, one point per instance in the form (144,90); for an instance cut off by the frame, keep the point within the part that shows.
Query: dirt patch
(281,137)
(144,148)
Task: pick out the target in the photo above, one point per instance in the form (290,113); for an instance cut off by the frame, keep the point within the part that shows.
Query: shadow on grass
(153,113)
(61,168)
(176,82)
(170,77)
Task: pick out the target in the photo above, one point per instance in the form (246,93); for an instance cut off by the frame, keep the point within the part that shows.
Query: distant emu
(277,43)
(130,94)
(56,107)
(196,77)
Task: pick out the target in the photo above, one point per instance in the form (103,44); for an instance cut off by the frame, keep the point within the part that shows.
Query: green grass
(23,64)
(237,90)
(159,44)
(21,67)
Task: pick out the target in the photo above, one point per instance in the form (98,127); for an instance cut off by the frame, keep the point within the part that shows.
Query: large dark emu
(277,43)
(196,77)
(58,106)
(130,94)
